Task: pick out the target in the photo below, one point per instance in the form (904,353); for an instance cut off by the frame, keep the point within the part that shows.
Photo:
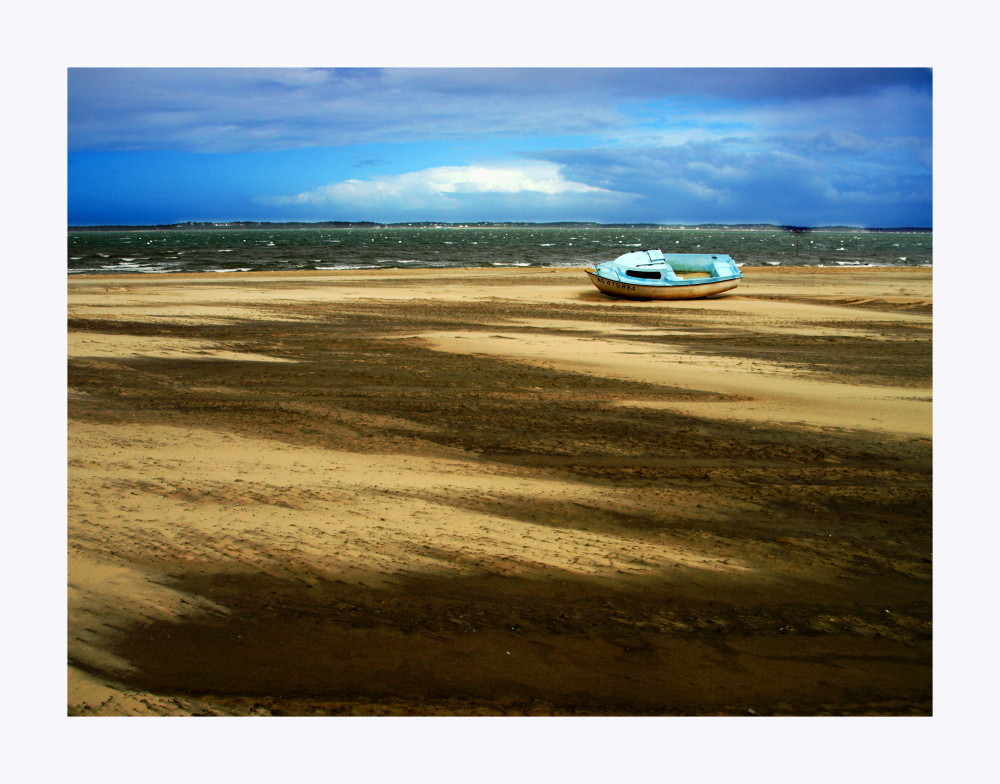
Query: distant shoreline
(208,225)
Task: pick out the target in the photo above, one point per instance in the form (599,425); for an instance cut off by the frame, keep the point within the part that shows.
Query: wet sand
(499,492)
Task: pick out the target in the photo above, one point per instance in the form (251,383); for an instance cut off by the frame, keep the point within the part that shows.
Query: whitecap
(342,267)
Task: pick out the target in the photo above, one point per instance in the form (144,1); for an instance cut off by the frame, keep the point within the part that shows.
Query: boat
(651,274)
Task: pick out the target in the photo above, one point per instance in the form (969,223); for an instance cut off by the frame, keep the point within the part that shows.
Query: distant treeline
(202,225)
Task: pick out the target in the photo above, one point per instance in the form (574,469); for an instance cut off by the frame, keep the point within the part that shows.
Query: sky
(799,146)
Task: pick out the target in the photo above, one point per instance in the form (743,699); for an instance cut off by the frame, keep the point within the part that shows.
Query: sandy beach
(499,492)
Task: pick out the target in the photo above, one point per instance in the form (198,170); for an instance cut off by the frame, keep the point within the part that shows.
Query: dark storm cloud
(653,83)
(782,84)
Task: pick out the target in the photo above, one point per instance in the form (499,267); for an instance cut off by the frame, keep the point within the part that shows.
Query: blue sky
(805,146)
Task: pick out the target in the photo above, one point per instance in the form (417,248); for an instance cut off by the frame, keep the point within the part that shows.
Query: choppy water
(237,250)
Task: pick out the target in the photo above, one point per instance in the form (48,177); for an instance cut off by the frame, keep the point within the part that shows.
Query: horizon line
(461,224)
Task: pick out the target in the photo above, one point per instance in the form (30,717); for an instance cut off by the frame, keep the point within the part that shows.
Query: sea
(222,249)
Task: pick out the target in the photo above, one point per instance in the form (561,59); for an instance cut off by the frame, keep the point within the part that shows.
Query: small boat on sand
(651,274)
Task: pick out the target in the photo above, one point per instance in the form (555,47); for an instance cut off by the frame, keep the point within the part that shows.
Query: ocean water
(244,250)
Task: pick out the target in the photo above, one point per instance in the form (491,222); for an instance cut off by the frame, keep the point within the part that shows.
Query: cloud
(446,190)
(836,158)
(242,110)
(260,109)
(826,179)
(893,111)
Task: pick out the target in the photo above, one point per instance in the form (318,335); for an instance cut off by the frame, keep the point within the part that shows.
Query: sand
(499,492)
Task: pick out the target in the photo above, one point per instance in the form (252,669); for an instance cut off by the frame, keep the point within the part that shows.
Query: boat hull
(614,288)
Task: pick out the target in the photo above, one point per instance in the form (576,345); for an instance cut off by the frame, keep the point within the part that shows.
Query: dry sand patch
(770,391)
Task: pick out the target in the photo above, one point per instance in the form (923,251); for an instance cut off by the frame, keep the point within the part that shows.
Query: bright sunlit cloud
(529,191)
(429,185)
